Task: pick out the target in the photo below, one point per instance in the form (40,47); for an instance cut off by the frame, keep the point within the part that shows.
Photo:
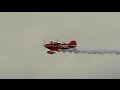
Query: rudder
(73,43)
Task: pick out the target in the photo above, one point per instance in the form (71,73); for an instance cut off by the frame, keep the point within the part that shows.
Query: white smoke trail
(94,51)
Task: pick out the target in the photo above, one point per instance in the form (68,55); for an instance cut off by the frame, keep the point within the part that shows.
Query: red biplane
(55,46)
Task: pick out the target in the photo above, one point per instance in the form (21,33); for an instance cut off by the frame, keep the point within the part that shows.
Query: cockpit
(51,41)
(54,42)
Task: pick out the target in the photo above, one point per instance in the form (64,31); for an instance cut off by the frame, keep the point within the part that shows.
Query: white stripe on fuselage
(66,46)
(72,45)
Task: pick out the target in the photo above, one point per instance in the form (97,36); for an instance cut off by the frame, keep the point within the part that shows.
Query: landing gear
(50,52)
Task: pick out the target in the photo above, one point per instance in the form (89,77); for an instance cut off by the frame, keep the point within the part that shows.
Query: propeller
(44,43)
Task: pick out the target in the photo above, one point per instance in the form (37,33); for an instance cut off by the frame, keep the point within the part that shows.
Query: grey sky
(22,36)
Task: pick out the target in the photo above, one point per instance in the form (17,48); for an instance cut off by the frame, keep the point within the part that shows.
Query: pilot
(51,41)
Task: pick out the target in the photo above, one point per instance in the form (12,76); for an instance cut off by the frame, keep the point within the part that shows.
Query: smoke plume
(94,51)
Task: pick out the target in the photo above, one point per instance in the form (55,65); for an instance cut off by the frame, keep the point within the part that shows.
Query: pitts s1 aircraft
(55,46)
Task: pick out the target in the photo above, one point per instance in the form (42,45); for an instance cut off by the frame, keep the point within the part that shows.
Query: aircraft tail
(73,43)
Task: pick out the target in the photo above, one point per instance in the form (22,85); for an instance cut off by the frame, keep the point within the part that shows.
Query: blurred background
(22,35)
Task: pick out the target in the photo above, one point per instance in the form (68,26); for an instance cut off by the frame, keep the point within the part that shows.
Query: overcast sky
(23,56)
